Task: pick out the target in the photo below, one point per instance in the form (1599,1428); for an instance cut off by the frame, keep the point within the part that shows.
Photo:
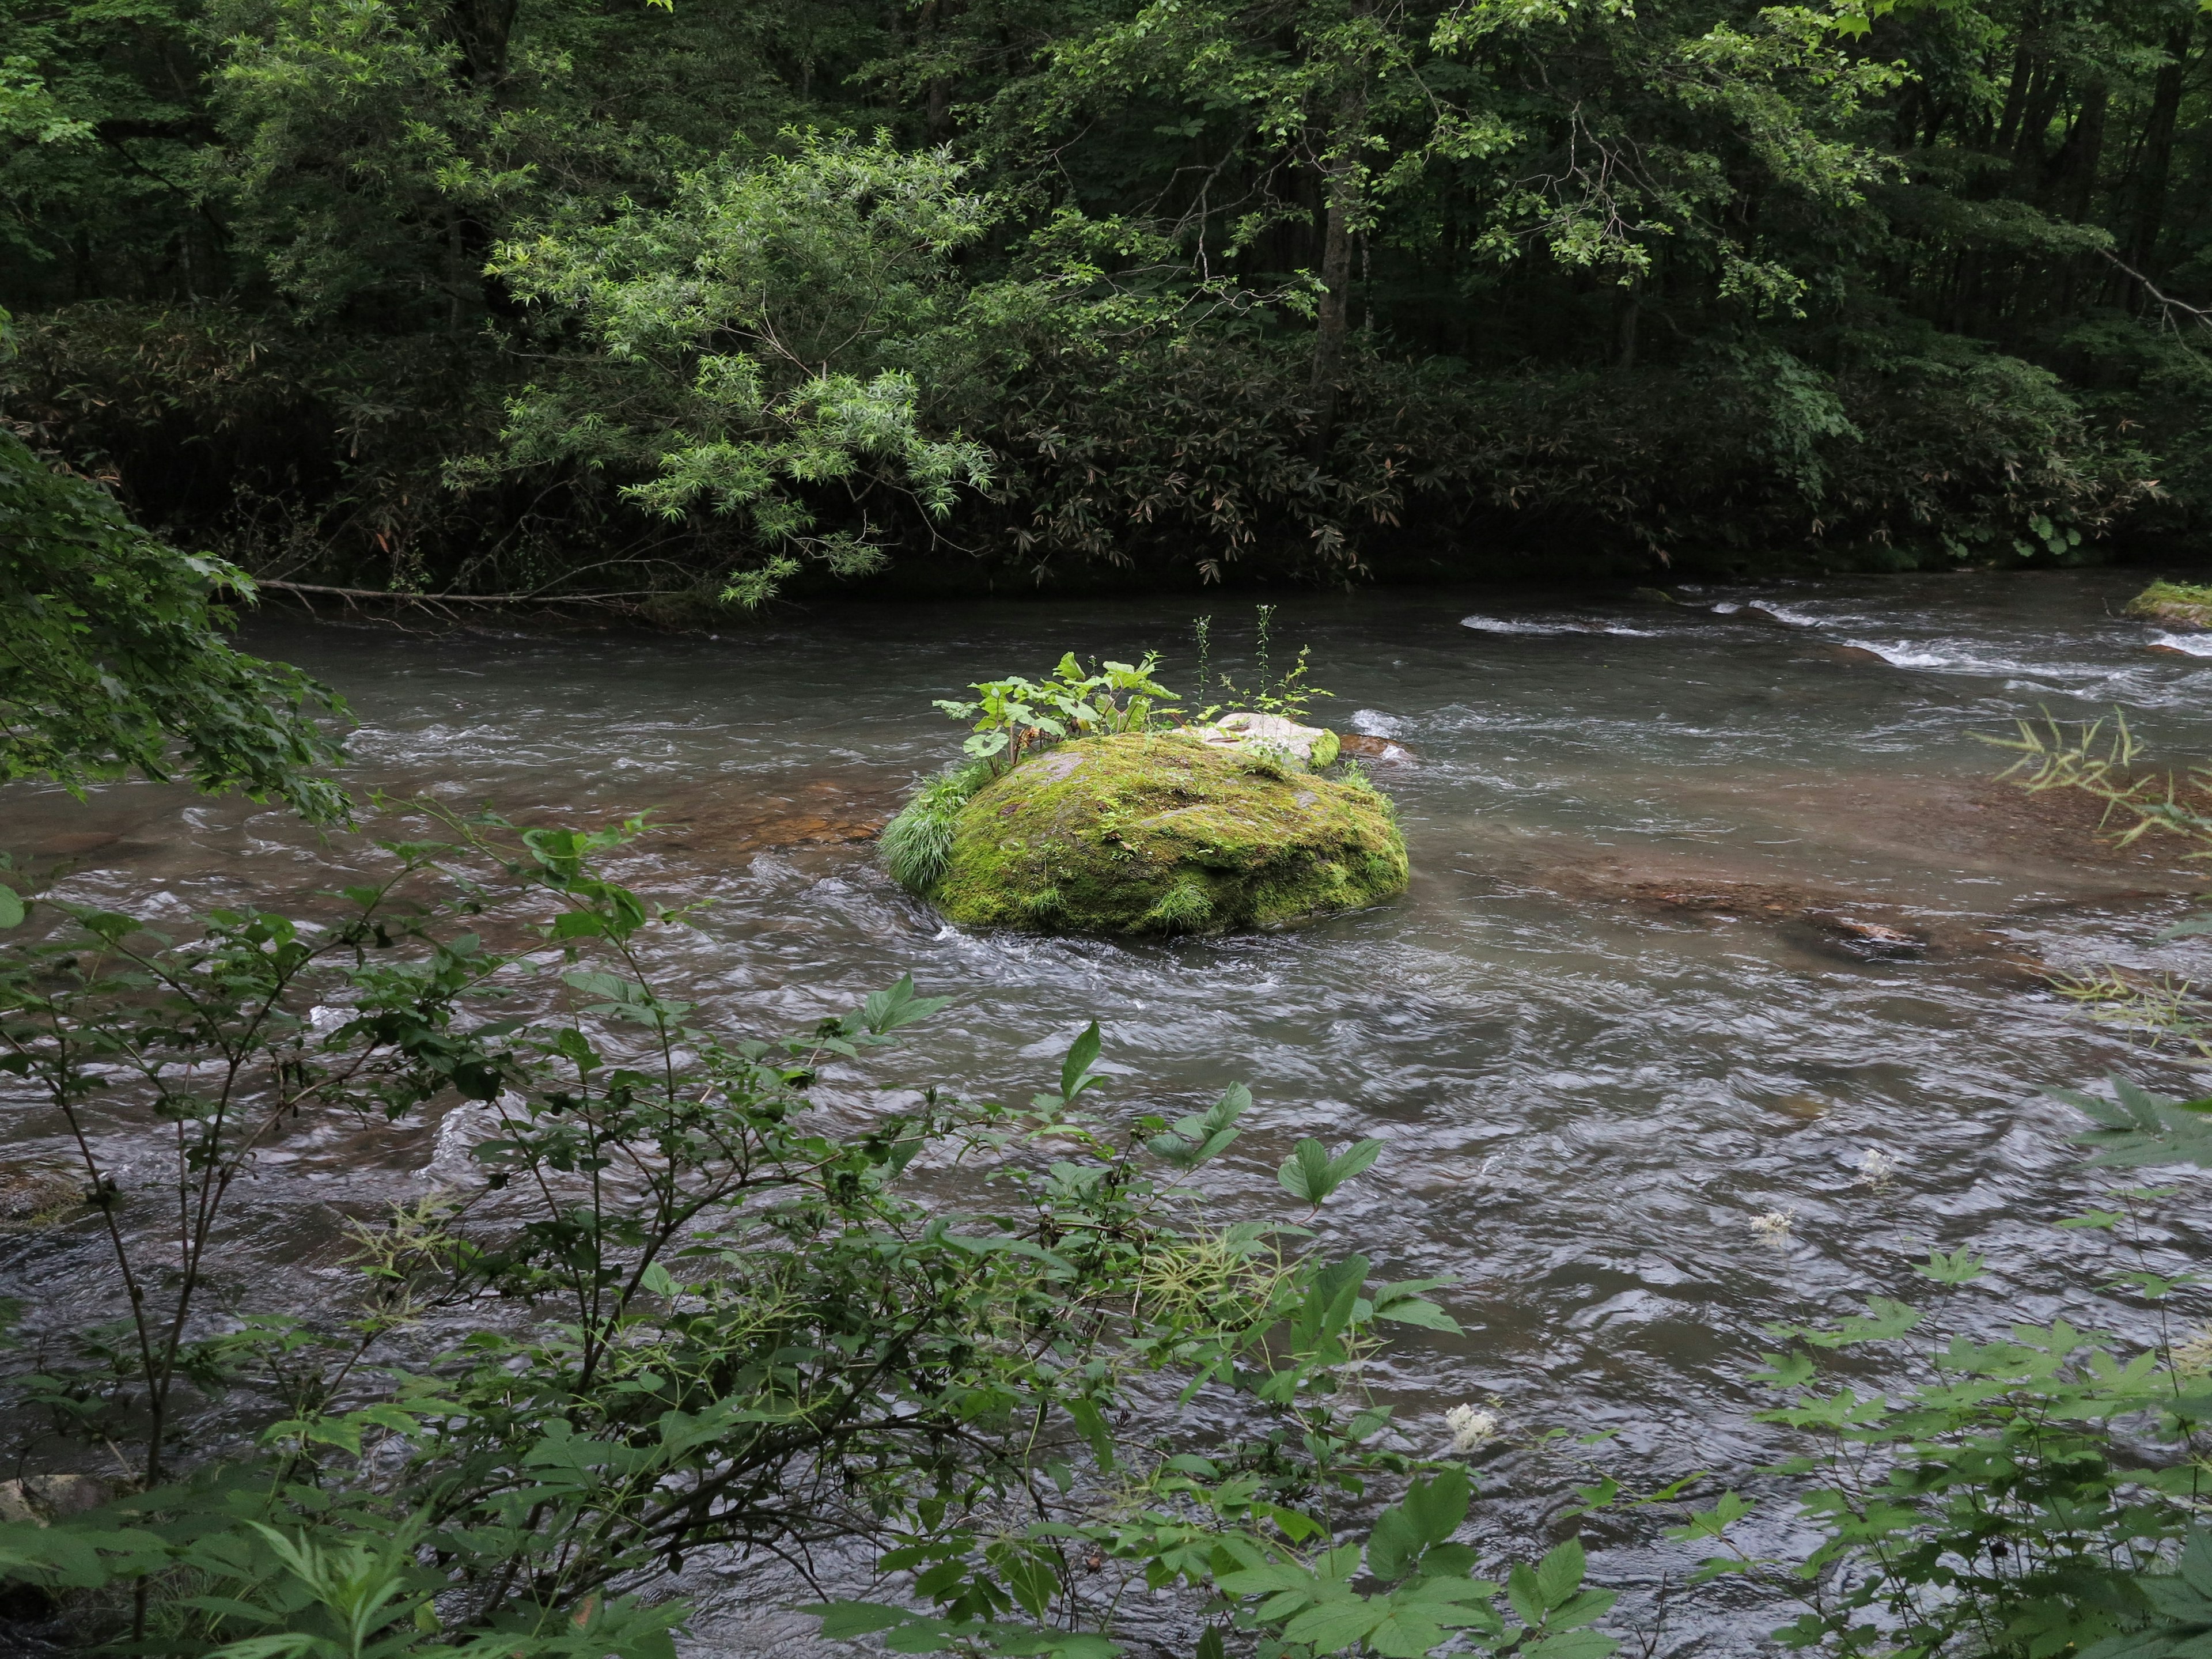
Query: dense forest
(703,299)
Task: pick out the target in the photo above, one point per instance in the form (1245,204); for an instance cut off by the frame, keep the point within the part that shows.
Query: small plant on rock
(1012,715)
(1288,696)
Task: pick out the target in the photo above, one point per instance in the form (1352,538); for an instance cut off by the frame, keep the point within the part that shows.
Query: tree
(113,659)
(759,344)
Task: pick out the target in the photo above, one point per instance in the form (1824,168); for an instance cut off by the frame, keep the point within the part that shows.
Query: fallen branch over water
(452,598)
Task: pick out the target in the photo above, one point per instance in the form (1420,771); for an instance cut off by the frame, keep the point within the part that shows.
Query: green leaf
(1571,1644)
(1336,1626)
(11,906)
(1310,1173)
(1885,1321)
(1959,1267)
(1438,1505)
(1559,1574)
(1405,1634)
(1092,1422)
(1395,1545)
(1075,1071)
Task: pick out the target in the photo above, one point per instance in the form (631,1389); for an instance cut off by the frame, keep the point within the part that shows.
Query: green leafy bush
(703,1310)
(113,659)
(749,346)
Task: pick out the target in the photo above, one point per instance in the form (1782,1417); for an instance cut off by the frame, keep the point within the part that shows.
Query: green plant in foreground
(701,1312)
(2043,1492)
(113,659)
(2032,1495)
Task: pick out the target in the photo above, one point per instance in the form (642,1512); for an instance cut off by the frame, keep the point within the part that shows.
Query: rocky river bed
(1709,900)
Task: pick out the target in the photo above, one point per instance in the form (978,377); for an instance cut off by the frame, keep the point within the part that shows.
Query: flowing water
(1709,901)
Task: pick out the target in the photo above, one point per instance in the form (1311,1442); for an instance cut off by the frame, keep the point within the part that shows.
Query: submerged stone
(1164,833)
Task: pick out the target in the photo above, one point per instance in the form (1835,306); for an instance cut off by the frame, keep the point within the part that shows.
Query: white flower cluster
(1875,1167)
(1471,1427)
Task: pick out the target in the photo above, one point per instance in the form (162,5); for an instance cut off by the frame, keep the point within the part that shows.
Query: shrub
(707,1312)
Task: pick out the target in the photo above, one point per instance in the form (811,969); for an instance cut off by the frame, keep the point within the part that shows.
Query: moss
(1160,833)
(2178,604)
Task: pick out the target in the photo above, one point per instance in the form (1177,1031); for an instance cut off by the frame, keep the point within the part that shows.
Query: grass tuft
(1185,907)
(917,844)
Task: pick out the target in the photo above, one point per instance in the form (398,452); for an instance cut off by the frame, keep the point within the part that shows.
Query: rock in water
(1309,745)
(2177,604)
(1164,833)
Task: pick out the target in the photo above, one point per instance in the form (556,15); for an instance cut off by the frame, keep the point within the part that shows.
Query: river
(1640,993)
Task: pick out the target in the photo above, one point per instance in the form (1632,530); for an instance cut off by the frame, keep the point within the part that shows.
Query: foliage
(917,843)
(1285,696)
(1995,1497)
(2031,1495)
(1012,714)
(2106,764)
(1275,1570)
(113,659)
(1123,291)
(745,346)
(696,1307)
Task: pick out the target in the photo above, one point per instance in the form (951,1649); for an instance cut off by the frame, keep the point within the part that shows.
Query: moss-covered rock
(2178,604)
(1160,833)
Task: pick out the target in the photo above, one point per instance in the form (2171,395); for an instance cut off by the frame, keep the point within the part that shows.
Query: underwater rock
(1164,833)
(821,813)
(1873,938)
(41,1498)
(1360,746)
(34,1195)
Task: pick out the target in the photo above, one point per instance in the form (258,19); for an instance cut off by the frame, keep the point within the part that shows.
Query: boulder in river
(1362,746)
(1309,745)
(1161,833)
(2176,605)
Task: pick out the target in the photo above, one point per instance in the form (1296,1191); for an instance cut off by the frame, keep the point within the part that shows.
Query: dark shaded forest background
(707,301)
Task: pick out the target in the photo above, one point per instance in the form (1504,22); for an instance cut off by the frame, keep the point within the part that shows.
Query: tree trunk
(1627,305)
(938,117)
(2073,169)
(2149,215)
(481,28)
(1341,189)
(2015,96)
